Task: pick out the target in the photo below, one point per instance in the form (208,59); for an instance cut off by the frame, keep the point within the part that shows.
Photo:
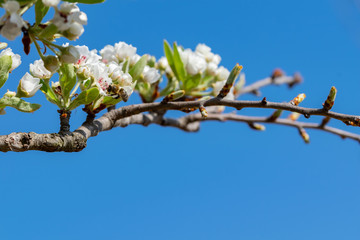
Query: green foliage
(85,97)
(40,11)
(67,80)
(19,104)
(5,65)
(138,68)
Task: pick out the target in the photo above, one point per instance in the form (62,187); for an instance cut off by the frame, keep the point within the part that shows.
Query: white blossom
(195,64)
(151,75)
(38,70)
(101,77)
(51,3)
(108,54)
(70,20)
(222,73)
(162,63)
(205,51)
(216,59)
(124,51)
(118,76)
(211,68)
(15,58)
(12,22)
(86,60)
(134,59)
(29,85)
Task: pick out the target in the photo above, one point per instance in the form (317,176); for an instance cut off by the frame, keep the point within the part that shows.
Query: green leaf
(5,65)
(192,82)
(85,1)
(138,68)
(179,65)
(109,101)
(19,104)
(49,93)
(40,11)
(85,97)
(67,80)
(48,32)
(169,56)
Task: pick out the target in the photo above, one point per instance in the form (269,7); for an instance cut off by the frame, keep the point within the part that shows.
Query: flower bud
(51,63)
(275,115)
(328,104)
(230,81)
(3,45)
(38,70)
(28,86)
(10,94)
(256,126)
(173,96)
(299,98)
(51,3)
(203,112)
(304,135)
(151,61)
(69,55)
(294,116)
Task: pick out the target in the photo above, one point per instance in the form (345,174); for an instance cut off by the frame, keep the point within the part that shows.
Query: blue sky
(224,182)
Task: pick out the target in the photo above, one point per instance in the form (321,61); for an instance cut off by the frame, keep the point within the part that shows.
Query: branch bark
(123,116)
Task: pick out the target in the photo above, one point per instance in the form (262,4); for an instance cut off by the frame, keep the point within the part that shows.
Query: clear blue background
(224,182)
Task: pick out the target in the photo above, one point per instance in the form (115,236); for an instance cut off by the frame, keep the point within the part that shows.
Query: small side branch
(256,86)
(280,121)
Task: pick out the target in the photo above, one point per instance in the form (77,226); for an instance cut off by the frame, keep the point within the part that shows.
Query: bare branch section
(54,142)
(133,114)
(256,86)
(280,121)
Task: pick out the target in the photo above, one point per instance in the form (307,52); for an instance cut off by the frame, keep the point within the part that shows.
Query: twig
(254,88)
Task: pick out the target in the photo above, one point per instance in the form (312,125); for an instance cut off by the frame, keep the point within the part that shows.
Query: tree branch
(280,121)
(126,115)
(255,87)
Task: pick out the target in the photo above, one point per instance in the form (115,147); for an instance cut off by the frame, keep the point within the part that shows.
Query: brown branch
(280,121)
(255,87)
(126,111)
(131,114)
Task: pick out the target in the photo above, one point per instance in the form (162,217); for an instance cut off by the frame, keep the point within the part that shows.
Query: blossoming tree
(191,81)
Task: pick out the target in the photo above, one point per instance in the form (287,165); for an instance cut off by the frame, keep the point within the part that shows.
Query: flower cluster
(92,67)
(125,54)
(68,19)
(11,23)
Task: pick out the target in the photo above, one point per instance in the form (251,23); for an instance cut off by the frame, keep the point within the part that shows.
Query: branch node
(203,111)
(256,126)
(274,116)
(297,79)
(64,122)
(324,122)
(304,135)
(278,72)
(264,101)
